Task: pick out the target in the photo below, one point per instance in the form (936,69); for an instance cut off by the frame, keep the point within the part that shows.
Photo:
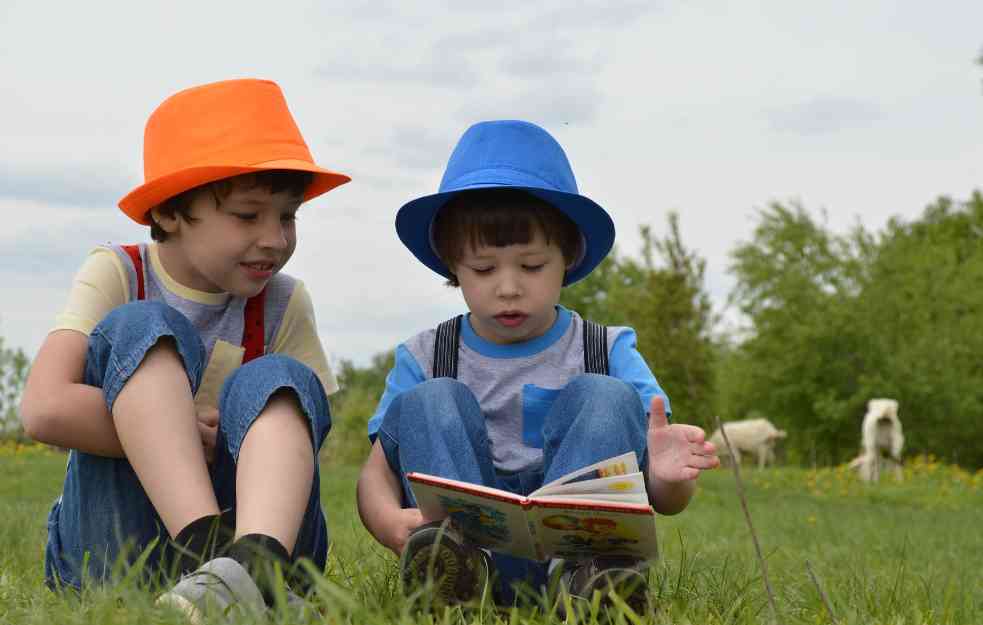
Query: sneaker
(437,552)
(625,576)
(219,586)
(295,608)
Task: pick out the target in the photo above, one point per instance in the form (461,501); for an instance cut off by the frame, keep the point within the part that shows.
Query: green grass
(897,553)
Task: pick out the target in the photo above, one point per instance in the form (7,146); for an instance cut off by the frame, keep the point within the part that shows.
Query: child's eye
(533,268)
(482,269)
(245,216)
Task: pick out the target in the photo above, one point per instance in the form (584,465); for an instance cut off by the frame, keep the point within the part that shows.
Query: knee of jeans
(143,313)
(257,380)
(433,398)
(128,331)
(151,317)
(268,372)
(602,385)
(618,395)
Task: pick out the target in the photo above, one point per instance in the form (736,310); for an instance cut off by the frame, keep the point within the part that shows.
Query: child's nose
(509,285)
(274,236)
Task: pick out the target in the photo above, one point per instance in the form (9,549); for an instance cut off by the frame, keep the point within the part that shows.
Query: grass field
(898,553)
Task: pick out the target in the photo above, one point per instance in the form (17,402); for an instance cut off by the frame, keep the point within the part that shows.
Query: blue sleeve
(405,374)
(625,363)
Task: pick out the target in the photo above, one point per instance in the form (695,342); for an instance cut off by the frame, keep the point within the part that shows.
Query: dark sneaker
(218,587)
(625,576)
(438,553)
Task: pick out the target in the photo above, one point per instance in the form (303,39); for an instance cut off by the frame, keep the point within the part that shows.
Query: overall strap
(133,251)
(445,348)
(254,327)
(595,348)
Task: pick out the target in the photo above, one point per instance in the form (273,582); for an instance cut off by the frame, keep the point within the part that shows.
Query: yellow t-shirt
(102,284)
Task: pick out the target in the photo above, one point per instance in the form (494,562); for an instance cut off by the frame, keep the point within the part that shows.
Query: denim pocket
(536,403)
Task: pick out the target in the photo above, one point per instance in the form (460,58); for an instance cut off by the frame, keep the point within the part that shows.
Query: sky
(861,111)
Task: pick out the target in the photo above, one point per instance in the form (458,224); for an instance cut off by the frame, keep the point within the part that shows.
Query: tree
(13,372)
(921,309)
(801,359)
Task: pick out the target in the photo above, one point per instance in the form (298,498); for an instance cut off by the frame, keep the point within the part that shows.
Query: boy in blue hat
(519,391)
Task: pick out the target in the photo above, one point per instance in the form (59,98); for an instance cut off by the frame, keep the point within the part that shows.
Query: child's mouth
(258,271)
(511,320)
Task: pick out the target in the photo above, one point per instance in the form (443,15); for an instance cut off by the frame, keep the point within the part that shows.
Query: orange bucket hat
(215,131)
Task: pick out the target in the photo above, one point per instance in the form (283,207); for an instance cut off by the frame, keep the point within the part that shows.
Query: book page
(489,517)
(596,498)
(629,487)
(575,531)
(624,464)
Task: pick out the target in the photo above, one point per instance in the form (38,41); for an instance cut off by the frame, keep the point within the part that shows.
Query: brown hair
(500,217)
(275,181)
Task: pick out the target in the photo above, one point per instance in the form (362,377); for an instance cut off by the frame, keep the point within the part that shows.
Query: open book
(601,509)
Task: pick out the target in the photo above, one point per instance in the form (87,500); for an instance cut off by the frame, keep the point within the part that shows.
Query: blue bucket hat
(509,154)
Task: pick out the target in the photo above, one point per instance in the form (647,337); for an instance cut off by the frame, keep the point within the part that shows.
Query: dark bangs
(498,218)
(273,180)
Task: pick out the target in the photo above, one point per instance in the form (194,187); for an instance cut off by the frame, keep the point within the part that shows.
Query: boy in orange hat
(186,375)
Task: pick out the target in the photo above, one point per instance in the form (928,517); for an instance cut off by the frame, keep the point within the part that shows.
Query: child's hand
(677,452)
(208,428)
(399,528)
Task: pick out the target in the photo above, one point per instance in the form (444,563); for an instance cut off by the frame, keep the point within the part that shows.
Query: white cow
(881,441)
(753,436)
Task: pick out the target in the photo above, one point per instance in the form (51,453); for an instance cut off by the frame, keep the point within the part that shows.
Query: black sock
(199,541)
(258,553)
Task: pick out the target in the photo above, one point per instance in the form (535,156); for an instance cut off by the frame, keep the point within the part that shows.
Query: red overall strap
(133,251)
(253,330)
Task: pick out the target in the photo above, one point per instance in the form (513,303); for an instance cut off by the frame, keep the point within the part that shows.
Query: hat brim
(414,219)
(138,202)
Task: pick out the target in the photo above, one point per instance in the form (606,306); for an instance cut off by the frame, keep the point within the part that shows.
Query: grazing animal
(752,436)
(881,441)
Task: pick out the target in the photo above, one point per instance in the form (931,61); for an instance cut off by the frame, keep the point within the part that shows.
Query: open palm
(676,452)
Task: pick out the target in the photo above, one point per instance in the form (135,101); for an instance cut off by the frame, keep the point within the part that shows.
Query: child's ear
(167,223)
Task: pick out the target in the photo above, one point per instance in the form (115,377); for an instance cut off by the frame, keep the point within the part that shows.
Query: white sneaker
(219,586)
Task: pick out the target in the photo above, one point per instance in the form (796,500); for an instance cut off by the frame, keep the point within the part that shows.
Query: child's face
(234,246)
(512,291)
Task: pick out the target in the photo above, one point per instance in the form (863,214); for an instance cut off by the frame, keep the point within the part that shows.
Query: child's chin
(513,337)
(247,291)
